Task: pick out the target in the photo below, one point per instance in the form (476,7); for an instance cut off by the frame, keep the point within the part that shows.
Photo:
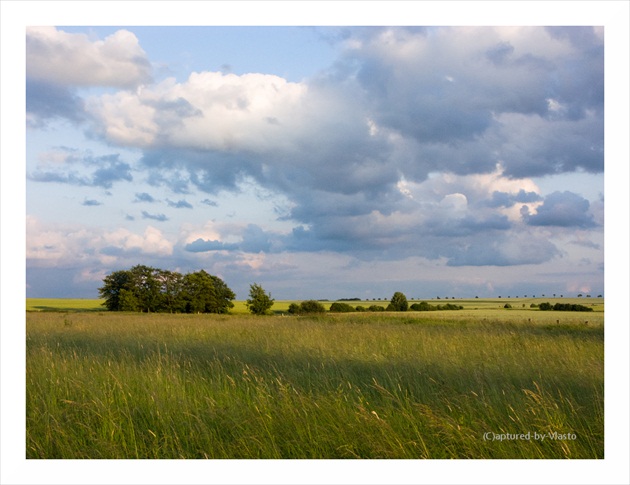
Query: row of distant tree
(146,289)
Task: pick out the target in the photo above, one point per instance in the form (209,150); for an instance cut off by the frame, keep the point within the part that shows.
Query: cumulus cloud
(250,238)
(58,63)
(400,103)
(64,59)
(563,209)
(51,245)
(210,110)
(416,143)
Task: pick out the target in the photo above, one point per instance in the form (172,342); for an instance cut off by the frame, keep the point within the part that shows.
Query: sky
(320,162)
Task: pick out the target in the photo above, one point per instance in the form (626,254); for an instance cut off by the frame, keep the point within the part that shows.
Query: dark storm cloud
(562,209)
(155,217)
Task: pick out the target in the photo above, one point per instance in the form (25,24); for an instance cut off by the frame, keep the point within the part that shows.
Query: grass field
(484,382)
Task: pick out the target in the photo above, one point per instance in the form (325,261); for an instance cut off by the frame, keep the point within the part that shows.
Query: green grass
(431,385)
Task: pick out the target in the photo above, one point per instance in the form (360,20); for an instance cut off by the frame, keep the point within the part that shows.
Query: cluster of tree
(564,307)
(308,306)
(423,306)
(146,289)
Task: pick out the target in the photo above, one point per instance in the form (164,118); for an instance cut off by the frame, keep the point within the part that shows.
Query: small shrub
(376,308)
(507,305)
(423,306)
(311,306)
(339,307)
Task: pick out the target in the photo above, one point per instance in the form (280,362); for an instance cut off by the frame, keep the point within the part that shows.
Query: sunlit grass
(107,385)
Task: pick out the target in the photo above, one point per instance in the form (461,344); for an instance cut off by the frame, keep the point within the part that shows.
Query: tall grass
(103,385)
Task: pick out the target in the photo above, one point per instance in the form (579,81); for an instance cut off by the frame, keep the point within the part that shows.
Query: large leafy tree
(205,293)
(223,296)
(116,289)
(146,287)
(259,301)
(171,284)
(199,294)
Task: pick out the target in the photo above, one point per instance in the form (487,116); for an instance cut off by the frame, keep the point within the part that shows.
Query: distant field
(63,305)
(240,307)
(442,384)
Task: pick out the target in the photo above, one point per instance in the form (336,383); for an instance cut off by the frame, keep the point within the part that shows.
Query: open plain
(482,382)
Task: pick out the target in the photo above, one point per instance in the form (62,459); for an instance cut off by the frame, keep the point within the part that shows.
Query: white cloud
(210,111)
(151,242)
(50,245)
(59,57)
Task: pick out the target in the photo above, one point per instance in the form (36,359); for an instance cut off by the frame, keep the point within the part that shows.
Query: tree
(204,293)
(259,302)
(399,302)
(171,285)
(113,285)
(224,296)
(128,301)
(146,287)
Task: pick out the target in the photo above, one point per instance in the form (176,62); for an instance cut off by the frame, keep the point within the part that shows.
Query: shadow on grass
(53,309)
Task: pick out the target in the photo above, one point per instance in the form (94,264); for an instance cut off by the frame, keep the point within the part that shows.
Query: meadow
(483,382)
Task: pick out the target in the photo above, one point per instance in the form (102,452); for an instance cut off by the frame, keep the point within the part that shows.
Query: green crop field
(483,382)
